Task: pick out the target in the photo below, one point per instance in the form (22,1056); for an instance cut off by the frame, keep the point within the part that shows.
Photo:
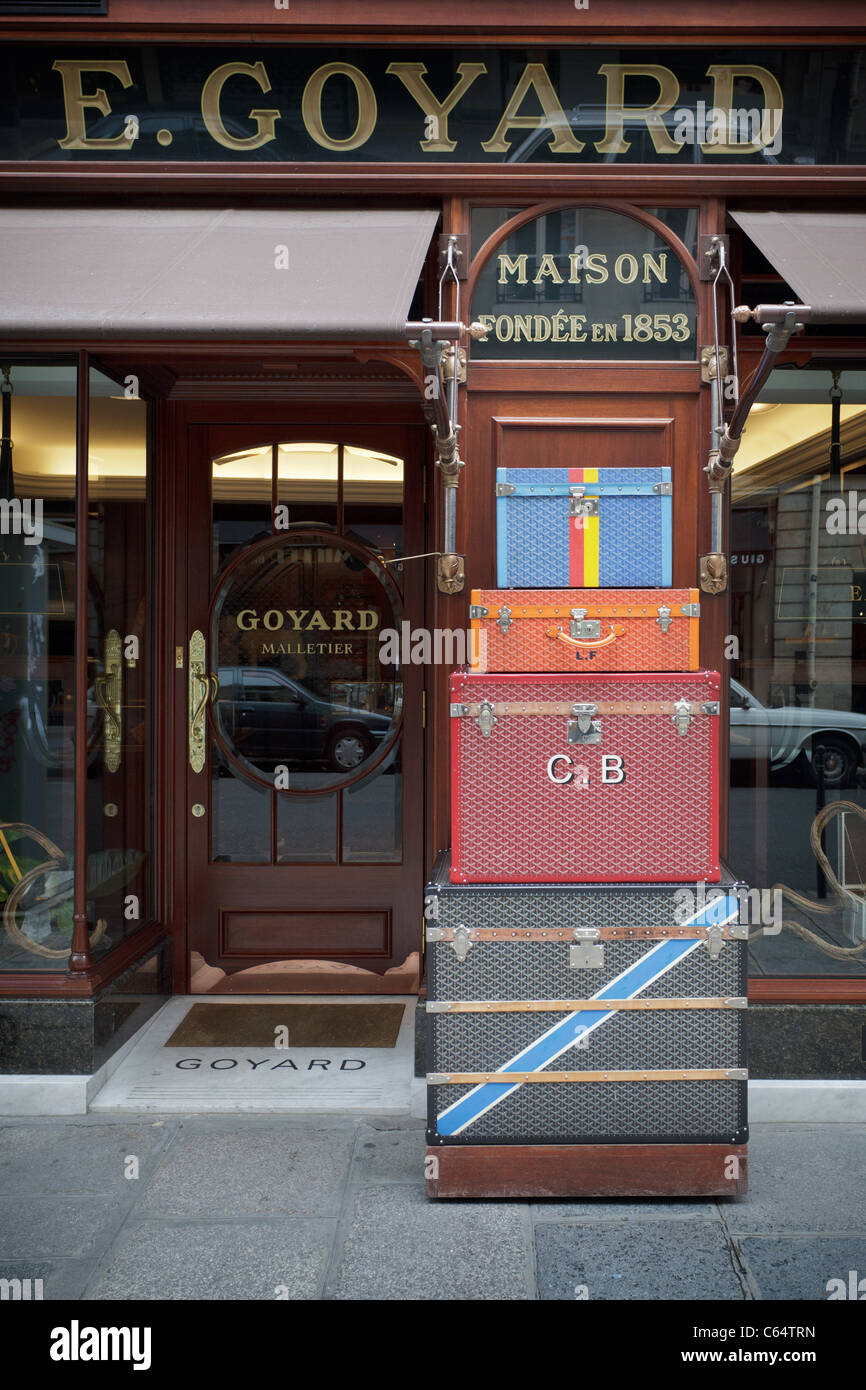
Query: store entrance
(303,759)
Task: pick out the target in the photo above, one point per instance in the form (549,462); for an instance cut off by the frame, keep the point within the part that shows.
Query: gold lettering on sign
(536,78)
(614,141)
(723,77)
(308,620)
(412,77)
(311,107)
(626,268)
(76,101)
(211,95)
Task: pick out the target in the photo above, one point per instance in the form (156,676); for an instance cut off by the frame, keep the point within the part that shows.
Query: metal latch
(663,489)
(710,707)
(580,505)
(583,728)
(664,617)
(486,718)
(691,610)
(504,619)
(588,954)
(462,941)
(583,628)
(458,711)
(715,942)
(682,716)
(505,489)
(477,610)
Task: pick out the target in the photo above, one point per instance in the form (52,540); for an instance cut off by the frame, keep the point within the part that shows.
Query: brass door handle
(203,686)
(108,691)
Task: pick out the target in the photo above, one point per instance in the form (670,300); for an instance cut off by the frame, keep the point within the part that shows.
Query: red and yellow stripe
(583,538)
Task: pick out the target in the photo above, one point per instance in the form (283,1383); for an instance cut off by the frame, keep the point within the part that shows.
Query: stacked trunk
(586,988)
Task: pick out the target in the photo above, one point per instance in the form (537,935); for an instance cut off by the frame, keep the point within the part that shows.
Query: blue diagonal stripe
(565,1034)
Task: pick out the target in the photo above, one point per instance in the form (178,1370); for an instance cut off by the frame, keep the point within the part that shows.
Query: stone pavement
(333,1207)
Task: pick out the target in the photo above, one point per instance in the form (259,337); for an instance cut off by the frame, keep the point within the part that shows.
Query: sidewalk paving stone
(59,1227)
(246,1260)
(401,1246)
(639,1260)
(795,1267)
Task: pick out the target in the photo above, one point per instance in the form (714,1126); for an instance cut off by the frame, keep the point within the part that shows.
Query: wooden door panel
(249,916)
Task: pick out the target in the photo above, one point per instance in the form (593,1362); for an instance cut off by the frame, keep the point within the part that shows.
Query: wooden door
(303,754)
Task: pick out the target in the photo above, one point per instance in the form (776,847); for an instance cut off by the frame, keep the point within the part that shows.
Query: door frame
(175,420)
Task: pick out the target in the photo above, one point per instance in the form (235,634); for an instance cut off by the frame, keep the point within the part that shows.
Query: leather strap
(478,1078)
(567,1006)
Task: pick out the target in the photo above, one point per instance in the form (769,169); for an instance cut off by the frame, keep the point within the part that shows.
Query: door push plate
(588,953)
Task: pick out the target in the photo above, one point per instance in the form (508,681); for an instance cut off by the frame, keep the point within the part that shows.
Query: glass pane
(586,283)
(798,702)
(373,501)
(308,483)
(307,826)
(241,500)
(372,818)
(240,816)
(119,661)
(37,619)
(297,631)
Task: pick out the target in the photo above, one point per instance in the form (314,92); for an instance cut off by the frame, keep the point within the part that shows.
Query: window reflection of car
(782,734)
(270,718)
(589,123)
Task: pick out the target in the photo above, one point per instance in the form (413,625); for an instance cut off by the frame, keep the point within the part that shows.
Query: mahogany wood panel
(392,20)
(278,933)
(586,1170)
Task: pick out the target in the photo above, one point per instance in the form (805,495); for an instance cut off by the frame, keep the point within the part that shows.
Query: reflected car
(268,718)
(783,734)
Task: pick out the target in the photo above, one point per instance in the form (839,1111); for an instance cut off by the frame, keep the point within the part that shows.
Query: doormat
(289,1025)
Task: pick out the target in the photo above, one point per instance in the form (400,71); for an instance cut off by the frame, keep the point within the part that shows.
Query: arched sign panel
(585,283)
(304,702)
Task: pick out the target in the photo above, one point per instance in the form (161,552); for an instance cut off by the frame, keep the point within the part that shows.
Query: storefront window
(798,643)
(37,635)
(37,682)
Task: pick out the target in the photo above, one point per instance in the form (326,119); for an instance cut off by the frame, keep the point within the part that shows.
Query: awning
(821,255)
(111,273)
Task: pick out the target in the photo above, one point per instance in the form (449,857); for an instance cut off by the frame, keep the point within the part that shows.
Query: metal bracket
(715,942)
(505,489)
(460,257)
(583,628)
(578,505)
(682,716)
(458,711)
(663,489)
(583,728)
(588,954)
(708,362)
(708,245)
(448,364)
(462,942)
(691,610)
(450,574)
(664,618)
(504,619)
(737,1074)
(477,610)
(710,707)
(737,1003)
(486,718)
(714,573)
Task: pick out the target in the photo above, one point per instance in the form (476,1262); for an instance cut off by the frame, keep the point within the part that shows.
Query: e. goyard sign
(295,103)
